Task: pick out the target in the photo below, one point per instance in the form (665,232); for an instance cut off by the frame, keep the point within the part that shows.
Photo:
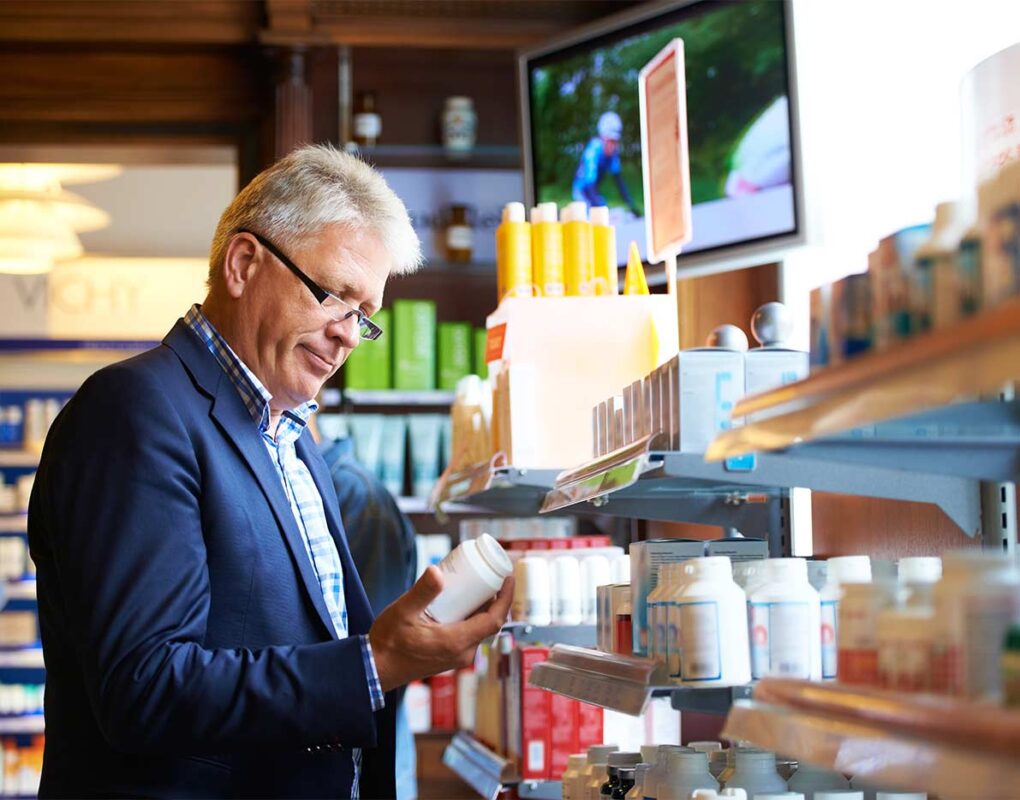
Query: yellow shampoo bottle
(634,281)
(546,251)
(578,270)
(603,237)
(513,253)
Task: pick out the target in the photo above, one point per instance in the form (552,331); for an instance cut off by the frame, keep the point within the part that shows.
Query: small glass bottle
(460,236)
(625,783)
(459,125)
(367,122)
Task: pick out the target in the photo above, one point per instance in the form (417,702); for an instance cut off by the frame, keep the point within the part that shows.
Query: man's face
(609,146)
(297,345)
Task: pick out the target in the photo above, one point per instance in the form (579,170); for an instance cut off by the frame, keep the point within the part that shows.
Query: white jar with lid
(918,576)
(713,626)
(594,573)
(532,601)
(685,771)
(976,601)
(460,123)
(472,573)
(840,570)
(674,620)
(785,617)
(566,591)
(906,639)
(858,638)
(755,770)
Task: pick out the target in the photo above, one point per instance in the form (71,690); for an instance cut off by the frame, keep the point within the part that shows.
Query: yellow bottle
(604,252)
(578,270)
(634,281)
(513,253)
(546,251)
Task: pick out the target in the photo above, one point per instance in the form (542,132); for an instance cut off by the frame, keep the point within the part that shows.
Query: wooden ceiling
(502,24)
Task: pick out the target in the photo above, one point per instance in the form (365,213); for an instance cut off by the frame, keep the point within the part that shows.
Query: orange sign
(494,343)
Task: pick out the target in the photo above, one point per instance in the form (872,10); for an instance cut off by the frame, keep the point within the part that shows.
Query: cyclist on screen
(602,155)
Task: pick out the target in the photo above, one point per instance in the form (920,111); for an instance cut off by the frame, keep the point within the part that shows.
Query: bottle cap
(494,556)
(514,212)
(849,569)
(710,567)
(550,212)
(649,753)
(599,752)
(599,215)
(536,214)
(705,747)
(920,569)
(784,569)
(619,759)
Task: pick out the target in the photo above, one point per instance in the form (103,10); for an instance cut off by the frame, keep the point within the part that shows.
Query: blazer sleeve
(116,513)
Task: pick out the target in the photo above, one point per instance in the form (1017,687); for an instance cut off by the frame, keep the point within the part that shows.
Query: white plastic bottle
(472,573)
(809,779)
(976,601)
(749,574)
(685,772)
(858,625)
(918,576)
(566,591)
(713,626)
(597,754)
(674,621)
(637,790)
(841,569)
(575,767)
(655,776)
(785,617)
(594,573)
(755,770)
(532,602)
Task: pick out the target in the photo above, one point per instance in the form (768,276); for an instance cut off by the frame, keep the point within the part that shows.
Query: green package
(370,365)
(414,345)
(454,353)
(481,338)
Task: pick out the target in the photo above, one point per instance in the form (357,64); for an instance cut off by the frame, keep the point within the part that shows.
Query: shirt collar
(255,396)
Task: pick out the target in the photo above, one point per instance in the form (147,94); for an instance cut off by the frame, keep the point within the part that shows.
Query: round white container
(566,591)
(975,602)
(748,575)
(809,780)
(657,774)
(755,771)
(785,617)
(840,570)
(918,576)
(532,602)
(713,626)
(620,569)
(674,620)
(472,573)
(906,640)
(594,573)
(858,630)
(575,764)
(685,772)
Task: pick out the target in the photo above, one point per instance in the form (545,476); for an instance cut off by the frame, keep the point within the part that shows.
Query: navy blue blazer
(188,649)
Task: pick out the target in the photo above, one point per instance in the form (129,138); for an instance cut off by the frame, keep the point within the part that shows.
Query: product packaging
(444,701)
(604,252)
(785,618)
(852,314)
(479,343)
(529,715)
(532,601)
(454,353)
(473,573)
(578,267)
(370,364)
(891,283)
(840,570)
(859,608)
(563,713)
(392,450)
(820,319)
(547,251)
(999,220)
(711,381)
(645,560)
(738,549)
(906,638)
(425,437)
(414,336)
(367,430)
(513,254)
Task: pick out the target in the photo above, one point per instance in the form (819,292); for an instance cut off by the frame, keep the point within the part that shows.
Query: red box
(559,544)
(534,745)
(562,734)
(589,726)
(444,701)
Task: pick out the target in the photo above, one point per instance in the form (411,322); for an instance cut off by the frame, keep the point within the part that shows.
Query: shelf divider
(480,768)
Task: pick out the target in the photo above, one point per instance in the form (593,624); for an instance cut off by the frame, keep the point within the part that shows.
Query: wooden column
(293,100)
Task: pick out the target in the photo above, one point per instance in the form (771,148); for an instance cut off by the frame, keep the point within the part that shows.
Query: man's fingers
(487,623)
(501,605)
(425,590)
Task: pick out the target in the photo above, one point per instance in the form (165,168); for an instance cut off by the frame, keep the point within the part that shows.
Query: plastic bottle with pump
(513,254)
(604,252)
(578,268)
(547,251)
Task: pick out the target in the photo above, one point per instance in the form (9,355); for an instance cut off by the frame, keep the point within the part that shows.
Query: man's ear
(239,264)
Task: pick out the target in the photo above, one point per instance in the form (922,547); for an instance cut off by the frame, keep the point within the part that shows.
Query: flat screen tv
(582,134)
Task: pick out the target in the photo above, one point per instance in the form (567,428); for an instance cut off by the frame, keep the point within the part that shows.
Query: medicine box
(768,368)
(711,381)
(645,559)
(742,549)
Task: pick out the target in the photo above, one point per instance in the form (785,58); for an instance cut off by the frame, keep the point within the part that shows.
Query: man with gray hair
(204,628)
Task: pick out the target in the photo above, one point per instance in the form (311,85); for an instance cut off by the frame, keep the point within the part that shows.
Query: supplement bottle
(597,754)
(624,784)
(674,655)
(566,591)
(657,774)
(756,773)
(513,254)
(858,630)
(616,761)
(785,618)
(636,791)
(532,602)
(918,576)
(713,626)
(604,252)
(575,765)
(685,772)
(472,573)
(547,251)
(906,640)
(658,608)
(594,573)
(809,779)
(598,776)
(841,569)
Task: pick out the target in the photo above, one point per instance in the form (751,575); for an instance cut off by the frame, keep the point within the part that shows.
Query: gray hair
(312,187)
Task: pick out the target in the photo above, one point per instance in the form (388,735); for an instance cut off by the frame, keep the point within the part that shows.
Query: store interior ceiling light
(39,220)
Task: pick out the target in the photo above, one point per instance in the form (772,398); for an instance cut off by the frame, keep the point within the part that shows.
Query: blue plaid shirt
(304,497)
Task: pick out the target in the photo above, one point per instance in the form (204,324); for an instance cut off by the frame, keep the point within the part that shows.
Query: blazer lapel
(236,423)
(359,611)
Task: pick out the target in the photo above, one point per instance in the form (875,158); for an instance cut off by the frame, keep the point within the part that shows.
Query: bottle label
(673,653)
(460,237)
(829,633)
(780,634)
(699,626)
(367,126)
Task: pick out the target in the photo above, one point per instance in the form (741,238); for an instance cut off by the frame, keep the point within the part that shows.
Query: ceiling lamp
(39,220)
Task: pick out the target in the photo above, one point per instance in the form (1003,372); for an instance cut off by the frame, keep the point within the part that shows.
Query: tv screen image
(585,134)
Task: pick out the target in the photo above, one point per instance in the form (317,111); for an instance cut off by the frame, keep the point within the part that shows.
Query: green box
(454,353)
(481,339)
(370,365)
(414,345)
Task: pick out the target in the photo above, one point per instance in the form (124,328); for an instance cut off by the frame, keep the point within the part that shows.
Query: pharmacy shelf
(18,458)
(38,346)
(22,725)
(973,359)
(13,523)
(397,397)
(21,590)
(479,767)
(421,505)
(484,156)
(945,746)
(624,683)
(577,635)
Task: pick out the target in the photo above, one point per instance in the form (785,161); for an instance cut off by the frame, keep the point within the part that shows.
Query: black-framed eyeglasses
(336,308)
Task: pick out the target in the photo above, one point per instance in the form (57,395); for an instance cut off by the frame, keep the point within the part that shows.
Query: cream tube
(366,430)
(425,432)
(392,447)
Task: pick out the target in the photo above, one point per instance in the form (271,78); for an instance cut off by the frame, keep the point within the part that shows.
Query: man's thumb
(426,589)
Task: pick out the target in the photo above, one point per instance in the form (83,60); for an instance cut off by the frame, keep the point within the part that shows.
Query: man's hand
(407,645)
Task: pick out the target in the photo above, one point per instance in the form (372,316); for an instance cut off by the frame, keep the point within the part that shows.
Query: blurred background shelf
(953,748)
(25,724)
(13,523)
(397,397)
(18,458)
(577,635)
(22,666)
(435,155)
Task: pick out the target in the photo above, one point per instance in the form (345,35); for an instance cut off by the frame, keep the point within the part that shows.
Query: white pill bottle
(472,574)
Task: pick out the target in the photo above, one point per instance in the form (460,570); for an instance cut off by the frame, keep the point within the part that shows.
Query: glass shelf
(479,767)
